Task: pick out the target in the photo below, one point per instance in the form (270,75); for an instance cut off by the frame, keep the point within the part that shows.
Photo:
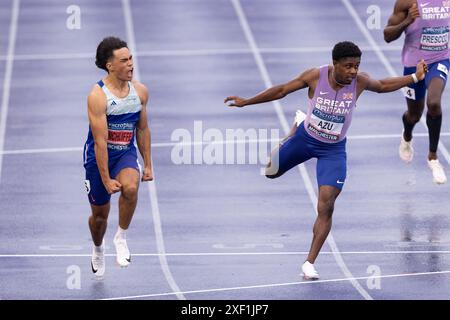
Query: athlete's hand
(413,13)
(422,70)
(147,175)
(235,101)
(112,186)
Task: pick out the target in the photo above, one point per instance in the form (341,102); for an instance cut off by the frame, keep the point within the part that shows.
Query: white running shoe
(299,117)
(309,272)
(405,150)
(98,262)
(123,257)
(438,172)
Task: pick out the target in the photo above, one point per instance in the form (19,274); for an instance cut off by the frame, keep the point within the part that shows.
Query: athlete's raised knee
(129,191)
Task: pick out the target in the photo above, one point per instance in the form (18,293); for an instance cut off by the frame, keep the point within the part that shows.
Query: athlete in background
(426,27)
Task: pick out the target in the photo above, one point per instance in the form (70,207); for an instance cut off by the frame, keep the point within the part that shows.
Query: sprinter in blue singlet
(117,118)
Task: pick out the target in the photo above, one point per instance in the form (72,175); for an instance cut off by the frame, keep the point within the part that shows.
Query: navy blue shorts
(416,91)
(331,157)
(95,189)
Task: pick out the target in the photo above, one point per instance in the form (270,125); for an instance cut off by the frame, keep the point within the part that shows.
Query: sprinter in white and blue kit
(333,91)
(117,117)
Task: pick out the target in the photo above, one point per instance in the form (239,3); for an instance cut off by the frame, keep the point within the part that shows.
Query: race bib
(328,124)
(434,38)
(441,67)
(120,135)
(87,185)
(410,93)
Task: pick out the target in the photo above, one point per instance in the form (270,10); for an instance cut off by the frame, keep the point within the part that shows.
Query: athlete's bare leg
(98,222)
(129,179)
(322,226)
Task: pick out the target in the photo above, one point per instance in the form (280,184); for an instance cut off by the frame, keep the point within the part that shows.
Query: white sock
(98,249)
(121,233)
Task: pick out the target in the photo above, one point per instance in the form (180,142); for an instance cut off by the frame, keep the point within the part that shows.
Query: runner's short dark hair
(346,49)
(105,50)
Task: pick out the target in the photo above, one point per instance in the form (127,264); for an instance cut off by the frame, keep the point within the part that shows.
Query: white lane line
(7,77)
(195,143)
(212,254)
(307,180)
(387,64)
(285,284)
(151,184)
(44,150)
(51,56)
(184,53)
(326,50)
(259,61)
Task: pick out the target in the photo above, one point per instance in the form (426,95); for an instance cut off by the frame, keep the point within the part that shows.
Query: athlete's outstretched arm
(99,127)
(400,19)
(275,92)
(393,83)
(143,135)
